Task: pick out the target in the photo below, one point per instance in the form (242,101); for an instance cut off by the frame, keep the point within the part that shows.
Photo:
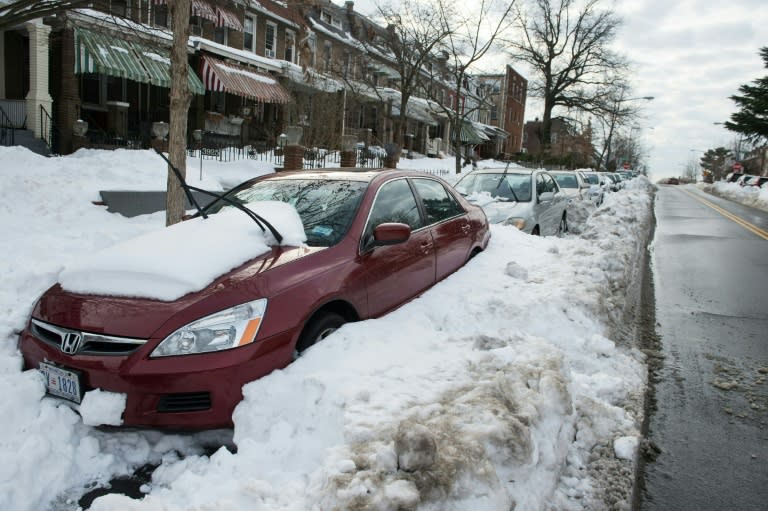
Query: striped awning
(228,19)
(241,81)
(106,54)
(199,8)
(471,135)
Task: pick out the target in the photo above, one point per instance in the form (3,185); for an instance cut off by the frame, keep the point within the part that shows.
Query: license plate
(61,382)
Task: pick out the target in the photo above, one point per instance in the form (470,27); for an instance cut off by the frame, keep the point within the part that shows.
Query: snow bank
(747,195)
(504,385)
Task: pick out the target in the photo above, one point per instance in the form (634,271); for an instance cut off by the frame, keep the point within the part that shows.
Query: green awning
(103,54)
(471,135)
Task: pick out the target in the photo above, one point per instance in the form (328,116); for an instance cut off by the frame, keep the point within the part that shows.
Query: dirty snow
(507,384)
(747,195)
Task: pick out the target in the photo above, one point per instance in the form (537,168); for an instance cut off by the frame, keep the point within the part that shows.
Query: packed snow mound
(747,195)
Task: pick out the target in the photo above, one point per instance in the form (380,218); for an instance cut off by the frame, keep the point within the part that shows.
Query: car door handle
(465,228)
(426,247)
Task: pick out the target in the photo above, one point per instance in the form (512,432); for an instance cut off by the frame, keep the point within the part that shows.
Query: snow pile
(747,195)
(504,385)
(166,264)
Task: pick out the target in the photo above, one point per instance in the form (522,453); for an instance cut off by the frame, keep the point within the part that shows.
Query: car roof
(498,170)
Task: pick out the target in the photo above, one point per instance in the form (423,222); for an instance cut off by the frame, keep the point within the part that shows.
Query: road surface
(708,413)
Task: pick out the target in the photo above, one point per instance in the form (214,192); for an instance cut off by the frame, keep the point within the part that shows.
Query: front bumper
(190,392)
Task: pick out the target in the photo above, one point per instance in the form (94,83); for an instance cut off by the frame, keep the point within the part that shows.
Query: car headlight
(227,329)
(516,221)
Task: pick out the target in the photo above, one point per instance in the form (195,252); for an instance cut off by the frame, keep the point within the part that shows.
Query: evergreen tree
(752,118)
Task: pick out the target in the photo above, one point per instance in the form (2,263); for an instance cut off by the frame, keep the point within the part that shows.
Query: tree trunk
(180,100)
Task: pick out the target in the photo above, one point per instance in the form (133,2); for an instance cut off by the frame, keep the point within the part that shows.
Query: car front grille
(186,402)
(75,342)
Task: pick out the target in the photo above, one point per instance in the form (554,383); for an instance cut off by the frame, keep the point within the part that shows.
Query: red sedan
(375,239)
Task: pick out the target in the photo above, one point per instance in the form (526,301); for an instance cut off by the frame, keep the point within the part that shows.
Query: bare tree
(180,100)
(415,28)
(613,110)
(471,37)
(566,43)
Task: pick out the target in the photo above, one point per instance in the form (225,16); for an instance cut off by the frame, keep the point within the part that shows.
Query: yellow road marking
(748,226)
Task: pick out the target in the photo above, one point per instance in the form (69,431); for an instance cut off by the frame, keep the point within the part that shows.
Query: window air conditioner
(270,53)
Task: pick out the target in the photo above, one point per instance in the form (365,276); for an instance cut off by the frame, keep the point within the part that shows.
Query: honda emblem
(71,343)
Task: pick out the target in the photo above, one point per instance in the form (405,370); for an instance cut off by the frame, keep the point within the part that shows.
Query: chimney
(350,6)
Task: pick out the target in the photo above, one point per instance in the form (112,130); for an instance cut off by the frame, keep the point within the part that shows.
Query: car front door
(396,273)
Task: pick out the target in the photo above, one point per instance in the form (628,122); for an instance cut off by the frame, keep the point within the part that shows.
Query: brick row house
(255,67)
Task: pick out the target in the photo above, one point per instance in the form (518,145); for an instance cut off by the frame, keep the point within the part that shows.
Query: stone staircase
(26,138)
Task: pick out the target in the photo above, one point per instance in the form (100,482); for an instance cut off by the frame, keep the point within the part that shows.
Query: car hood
(498,211)
(143,318)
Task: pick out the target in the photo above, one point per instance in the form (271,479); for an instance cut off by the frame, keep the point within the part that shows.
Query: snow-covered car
(178,321)
(530,200)
(596,191)
(572,184)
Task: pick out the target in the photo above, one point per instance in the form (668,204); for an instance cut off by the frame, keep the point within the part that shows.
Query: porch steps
(26,138)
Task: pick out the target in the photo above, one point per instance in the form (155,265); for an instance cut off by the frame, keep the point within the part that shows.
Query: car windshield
(566,180)
(592,179)
(326,207)
(509,187)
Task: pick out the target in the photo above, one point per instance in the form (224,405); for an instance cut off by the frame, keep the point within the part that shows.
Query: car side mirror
(546,197)
(391,234)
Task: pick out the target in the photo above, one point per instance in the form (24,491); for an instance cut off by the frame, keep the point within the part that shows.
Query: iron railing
(7,129)
(15,113)
(48,131)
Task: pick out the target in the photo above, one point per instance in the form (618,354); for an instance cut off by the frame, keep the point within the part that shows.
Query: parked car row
(375,239)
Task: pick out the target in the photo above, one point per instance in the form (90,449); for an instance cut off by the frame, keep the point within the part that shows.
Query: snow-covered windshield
(326,207)
(510,186)
(591,178)
(566,180)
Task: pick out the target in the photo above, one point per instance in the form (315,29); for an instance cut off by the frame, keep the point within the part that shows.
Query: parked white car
(596,186)
(572,184)
(531,200)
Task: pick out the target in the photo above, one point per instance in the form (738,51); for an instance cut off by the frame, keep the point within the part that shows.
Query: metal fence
(314,157)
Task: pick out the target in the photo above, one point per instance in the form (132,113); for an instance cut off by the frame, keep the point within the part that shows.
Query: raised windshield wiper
(501,180)
(188,189)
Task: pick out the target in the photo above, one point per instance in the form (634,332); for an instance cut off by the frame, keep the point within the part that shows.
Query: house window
(494,113)
(290,46)
(160,15)
(270,40)
(347,64)
(326,17)
(220,35)
(120,8)
(327,54)
(196,25)
(249,33)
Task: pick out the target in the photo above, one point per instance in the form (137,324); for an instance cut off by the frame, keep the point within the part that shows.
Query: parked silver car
(596,185)
(531,200)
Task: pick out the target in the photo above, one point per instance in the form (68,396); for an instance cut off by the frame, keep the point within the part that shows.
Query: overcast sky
(691,55)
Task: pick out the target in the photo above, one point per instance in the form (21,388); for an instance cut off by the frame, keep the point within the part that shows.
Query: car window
(438,203)
(326,207)
(540,186)
(394,203)
(591,178)
(566,180)
(550,184)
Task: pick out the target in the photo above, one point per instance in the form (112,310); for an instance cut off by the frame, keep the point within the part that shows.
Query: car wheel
(318,329)
(563,227)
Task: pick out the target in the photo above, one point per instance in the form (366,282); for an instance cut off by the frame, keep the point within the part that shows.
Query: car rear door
(396,273)
(449,223)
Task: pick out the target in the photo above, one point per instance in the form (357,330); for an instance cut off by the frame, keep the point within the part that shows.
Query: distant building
(568,143)
(505,96)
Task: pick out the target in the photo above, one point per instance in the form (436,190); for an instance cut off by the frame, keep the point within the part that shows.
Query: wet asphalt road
(710,420)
